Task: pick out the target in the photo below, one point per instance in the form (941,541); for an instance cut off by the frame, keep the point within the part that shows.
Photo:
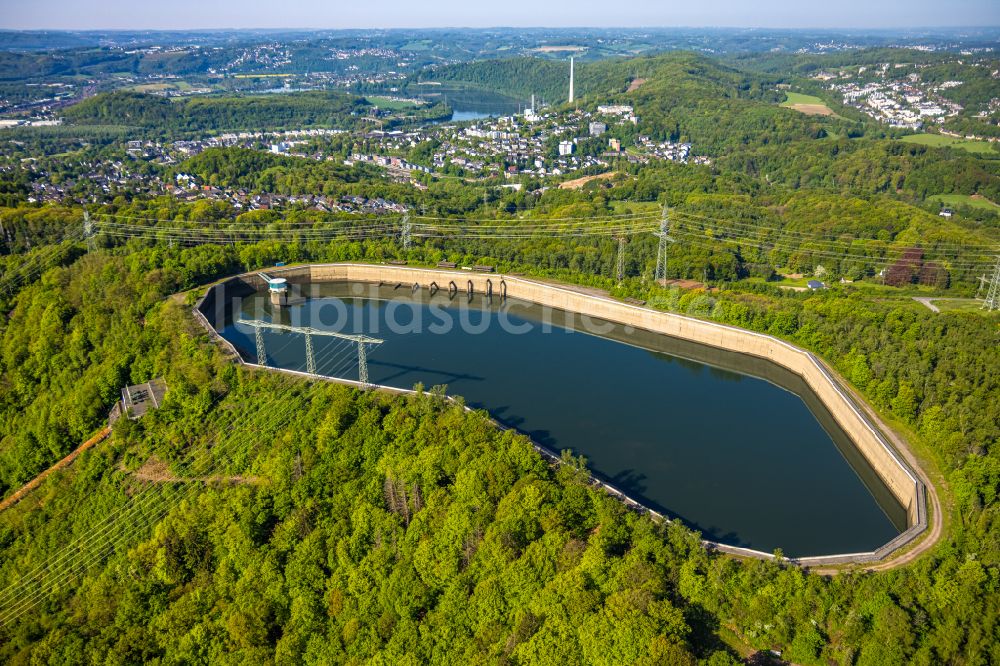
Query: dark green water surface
(732,445)
(470,103)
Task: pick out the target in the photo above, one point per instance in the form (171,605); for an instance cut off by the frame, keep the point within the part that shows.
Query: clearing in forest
(155,470)
(942,141)
(807,104)
(634,85)
(974,200)
(577,183)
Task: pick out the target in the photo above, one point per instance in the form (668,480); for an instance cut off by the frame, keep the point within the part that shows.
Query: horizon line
(927,28)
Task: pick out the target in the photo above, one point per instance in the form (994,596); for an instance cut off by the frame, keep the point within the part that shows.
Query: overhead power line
(687,226)
(142,511)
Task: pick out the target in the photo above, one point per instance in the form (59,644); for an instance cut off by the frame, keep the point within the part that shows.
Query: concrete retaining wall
(901,481)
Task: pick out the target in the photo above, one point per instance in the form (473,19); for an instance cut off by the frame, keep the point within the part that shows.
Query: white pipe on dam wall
(870,442)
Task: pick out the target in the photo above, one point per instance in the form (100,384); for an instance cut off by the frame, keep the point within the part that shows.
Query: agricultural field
(417,45)
(160,87)
(807,104)
(975,201)
(941,141)
(391,103)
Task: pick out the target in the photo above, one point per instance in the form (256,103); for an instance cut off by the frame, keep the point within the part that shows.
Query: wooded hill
(684,96)
(405,530)
(203,114)
(215,113)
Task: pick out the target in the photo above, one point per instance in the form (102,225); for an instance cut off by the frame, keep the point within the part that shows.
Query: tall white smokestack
(571,79)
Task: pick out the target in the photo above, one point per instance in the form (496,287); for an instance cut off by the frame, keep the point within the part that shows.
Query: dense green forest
(159,115)
(405,529)
(16,66)
(214,113)
(871,167)
(690,73)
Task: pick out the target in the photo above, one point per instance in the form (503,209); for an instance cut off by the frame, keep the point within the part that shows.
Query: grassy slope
(792,98)
(388,103)
(941,141)
(965,200)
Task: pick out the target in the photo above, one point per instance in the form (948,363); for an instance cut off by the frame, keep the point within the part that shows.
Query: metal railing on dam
(884,460)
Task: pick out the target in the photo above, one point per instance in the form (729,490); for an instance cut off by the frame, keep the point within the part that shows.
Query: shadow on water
(449,377)
(507,419)
(630,482)
(633,484)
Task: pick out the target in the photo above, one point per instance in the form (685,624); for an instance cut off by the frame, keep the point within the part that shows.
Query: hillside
(549,79)
(969,81)
(870,167)
(159,114)
(379,524)
(683,96)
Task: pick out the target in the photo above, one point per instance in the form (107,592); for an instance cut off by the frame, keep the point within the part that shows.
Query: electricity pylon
(406,232)
(361,340)
(88,231)
(661,253)
(362,364)
(310,355)
(620,264)
(258,334)
(992,301)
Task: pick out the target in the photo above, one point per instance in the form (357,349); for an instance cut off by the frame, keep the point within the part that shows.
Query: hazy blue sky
(143,14)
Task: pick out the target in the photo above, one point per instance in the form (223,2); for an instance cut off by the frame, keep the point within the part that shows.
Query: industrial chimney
(571,79)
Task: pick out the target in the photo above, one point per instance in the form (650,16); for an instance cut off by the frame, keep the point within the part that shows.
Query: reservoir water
(471,103)
(734,446)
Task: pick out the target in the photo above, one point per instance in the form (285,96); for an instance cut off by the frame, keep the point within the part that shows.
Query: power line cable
(81,563)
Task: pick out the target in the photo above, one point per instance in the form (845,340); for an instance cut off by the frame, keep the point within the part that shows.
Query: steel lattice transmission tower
(88,231)
(620,264)
(992,301)
(361,340)
(661,253)
(362,364)
(258,335)
(310,355)
(407,230)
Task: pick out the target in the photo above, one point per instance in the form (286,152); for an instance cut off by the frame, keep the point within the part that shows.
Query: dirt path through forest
(37,481)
